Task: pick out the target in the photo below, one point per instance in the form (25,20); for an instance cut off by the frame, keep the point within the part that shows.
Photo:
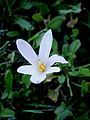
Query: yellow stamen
(41,67)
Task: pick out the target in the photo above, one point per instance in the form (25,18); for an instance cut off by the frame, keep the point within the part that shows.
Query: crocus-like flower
(40,65)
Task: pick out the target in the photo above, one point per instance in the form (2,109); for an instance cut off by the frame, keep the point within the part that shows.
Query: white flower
(40,64)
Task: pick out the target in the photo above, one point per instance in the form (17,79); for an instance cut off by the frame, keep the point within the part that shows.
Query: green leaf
(1,107)
(24,23)
(34,37)
(53,95)
(75,32)
(65,50)
(33,111)
(26,5)
(60,108)
(38,40)
(37,35)
(73,73)
(11,56)
(12,33)
(44,9)
(4,95)
(84,72)
(9,81)
(7,113)
(73,9)
(62,112)
(76,8)
(4,47)
(65,11)
(55,46)
(40,105)
(66,38)
(75,45)
(61,79)
(26,81)
(84,116)
(55,23)
(84,87)
(37,17)
(16,94)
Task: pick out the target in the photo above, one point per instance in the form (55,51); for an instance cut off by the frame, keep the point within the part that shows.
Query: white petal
(37,78)
(56,58)
(26,51)
(45,46)
(52,70)
(26,69)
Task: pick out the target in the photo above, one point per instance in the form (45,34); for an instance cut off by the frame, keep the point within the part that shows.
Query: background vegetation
(63,96)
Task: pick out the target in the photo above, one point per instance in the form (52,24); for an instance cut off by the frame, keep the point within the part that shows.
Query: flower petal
(52,70)
(56,58)
(37,78)
(45,45)
(26,69)
(26,51)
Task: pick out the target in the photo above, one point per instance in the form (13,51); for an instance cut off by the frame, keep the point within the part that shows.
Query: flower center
(41,67)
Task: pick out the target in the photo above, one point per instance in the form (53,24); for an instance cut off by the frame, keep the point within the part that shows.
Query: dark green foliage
(62,96)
